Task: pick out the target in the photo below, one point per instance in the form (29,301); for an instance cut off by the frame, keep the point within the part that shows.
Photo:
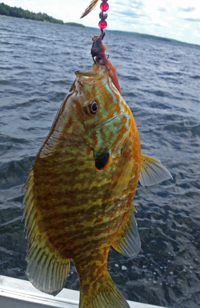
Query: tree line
(20,13)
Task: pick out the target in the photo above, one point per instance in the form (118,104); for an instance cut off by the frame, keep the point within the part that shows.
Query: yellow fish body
(80,191)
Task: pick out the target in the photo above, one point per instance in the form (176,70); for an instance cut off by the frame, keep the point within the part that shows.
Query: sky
(174,19)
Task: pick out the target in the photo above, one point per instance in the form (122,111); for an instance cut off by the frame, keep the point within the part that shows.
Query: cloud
(130,14)
(187,26)
(189,14)
(136,4)
(193,19)
(197,33)
(127,10)
(162,9)
(157,25)
(187,10)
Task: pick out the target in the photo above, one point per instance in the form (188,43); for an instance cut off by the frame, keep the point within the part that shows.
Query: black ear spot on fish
(91,107)
(101,159)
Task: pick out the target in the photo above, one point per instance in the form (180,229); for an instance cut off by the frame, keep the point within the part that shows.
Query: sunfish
(79,193)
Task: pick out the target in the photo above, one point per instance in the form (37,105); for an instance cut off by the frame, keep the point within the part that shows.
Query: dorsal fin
(46,269)
(152,171)
(128,243)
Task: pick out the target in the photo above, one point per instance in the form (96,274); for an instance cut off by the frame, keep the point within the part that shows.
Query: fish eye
(91,108)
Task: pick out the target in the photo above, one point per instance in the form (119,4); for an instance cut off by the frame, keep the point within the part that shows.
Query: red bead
(104,7)
(102,24)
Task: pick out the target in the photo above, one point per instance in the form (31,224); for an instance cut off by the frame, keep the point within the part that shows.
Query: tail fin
(106,295)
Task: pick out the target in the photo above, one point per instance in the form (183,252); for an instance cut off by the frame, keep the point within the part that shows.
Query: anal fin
(128,242)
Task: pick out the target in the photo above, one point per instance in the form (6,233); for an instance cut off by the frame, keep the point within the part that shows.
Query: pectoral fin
(128,243)
(152,171)
(46,269)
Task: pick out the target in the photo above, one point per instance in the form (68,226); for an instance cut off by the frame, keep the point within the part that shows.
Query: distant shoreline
(74,24)
(150,36)
(11,11)
(20,13)
(142,35)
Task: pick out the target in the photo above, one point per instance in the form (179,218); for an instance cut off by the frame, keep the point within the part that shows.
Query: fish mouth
(88,75)
(94,74)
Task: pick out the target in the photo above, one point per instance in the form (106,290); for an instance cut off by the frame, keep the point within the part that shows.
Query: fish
(79,193)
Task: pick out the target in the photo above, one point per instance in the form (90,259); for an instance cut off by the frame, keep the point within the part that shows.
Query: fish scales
(81,216)
(79,194)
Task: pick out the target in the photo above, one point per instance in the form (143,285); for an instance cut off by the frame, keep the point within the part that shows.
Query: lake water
(160,80)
